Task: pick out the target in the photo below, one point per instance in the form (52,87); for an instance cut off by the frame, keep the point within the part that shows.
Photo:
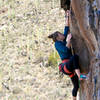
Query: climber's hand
(67,13)
(69,37)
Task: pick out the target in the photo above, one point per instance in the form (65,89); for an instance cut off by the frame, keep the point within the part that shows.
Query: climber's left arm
(67,13)
(66,24)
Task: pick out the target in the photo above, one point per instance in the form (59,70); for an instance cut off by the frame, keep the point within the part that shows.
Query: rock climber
(70,63)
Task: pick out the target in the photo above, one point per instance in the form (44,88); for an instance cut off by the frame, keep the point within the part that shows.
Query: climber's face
(60,36)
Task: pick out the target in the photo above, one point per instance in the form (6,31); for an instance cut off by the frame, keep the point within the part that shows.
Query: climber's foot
(83,77)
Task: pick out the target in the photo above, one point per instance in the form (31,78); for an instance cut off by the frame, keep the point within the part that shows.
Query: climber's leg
(74,65)
(75,82)
(77,71)
(75,60)
(74,98)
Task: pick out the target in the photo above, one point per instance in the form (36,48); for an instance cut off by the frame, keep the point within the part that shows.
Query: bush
(53,59)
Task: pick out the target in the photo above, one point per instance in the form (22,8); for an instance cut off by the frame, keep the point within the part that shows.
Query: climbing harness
(63,68)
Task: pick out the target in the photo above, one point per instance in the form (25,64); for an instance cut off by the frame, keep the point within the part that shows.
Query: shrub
(53,59)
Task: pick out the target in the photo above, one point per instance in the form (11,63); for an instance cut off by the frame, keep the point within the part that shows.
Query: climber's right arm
(69,40)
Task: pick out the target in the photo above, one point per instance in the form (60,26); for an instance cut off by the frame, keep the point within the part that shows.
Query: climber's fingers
(67,12)
(69,37)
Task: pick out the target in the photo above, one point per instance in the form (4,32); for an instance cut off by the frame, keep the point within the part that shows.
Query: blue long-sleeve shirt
(63,51)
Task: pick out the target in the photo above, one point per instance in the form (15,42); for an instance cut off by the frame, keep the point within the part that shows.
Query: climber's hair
(54,36)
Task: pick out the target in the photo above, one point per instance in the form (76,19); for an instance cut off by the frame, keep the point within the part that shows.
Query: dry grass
(24,48)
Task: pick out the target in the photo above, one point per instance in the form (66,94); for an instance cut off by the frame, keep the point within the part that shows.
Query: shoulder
(57,43)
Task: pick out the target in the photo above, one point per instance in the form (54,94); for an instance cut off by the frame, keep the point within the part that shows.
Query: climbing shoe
(83,76)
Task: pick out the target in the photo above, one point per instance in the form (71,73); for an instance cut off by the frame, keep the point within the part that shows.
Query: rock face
(24,51)
(85,27)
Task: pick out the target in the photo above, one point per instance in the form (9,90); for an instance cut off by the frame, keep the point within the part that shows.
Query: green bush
(53,59)
(47,0)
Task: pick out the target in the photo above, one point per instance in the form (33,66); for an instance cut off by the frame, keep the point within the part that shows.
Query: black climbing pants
(73,63)
(75,82)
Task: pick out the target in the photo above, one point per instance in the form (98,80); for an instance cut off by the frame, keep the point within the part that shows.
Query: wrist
(68,41)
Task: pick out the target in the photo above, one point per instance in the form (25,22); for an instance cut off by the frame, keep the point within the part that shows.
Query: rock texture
(85,27)
(24,51)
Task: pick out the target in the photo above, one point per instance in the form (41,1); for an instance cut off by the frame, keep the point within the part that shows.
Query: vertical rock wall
(85,27)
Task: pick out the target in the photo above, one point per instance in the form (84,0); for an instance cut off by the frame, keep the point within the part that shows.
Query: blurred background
(28,60)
